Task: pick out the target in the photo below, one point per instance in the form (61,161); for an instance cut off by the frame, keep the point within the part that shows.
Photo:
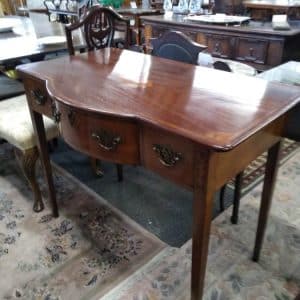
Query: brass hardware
(106,140)
(40,99)
(71,117)
(217,47)
(166,155)
(55,113)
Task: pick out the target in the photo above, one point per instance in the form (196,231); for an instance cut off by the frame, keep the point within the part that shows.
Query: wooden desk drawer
(251,50)
(99,136)
(38,97)
(219,46)
(168,155)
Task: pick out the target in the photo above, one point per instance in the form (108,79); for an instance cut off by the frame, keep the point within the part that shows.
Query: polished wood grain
(199,133)
(223,114)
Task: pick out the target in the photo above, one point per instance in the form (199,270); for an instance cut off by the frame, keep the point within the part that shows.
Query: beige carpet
(82,254)
(94,252)
(231,275)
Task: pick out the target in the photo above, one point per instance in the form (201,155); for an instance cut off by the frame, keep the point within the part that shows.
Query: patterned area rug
(82,254)
(254,172)
(231,275)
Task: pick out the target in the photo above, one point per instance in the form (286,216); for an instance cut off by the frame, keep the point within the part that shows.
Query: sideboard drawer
(109,138)
(168,155)
(38,97)
(219,46)
(251,50)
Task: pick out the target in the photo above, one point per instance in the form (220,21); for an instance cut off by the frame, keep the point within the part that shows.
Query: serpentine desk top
(214,108)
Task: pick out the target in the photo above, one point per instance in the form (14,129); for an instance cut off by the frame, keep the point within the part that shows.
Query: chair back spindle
(99,25)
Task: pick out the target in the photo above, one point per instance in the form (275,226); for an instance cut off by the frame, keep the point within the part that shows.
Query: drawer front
(102,137)
(168,155)
(38,97)
(251,50)
(219,46)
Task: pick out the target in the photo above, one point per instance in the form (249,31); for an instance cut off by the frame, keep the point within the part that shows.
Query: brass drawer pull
(55,113)
(166,155)
(40,99)
(106,140)
(217,47)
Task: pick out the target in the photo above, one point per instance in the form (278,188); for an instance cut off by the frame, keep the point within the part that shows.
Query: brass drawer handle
(40,99)
(106,140)
(217,47)
(166,155)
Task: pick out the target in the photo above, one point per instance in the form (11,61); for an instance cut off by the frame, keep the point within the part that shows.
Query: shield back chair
(99,26)
(177,46)
(16,128)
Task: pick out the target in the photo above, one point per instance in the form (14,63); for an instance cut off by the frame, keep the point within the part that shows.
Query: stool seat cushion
(16,126)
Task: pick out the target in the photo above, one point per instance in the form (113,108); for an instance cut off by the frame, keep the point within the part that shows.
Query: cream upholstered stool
(16,128)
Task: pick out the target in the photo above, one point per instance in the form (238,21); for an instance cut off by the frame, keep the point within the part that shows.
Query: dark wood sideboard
(255,43)
(264,9)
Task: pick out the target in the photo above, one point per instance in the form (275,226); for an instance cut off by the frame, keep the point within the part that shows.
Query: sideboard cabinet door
(251,50)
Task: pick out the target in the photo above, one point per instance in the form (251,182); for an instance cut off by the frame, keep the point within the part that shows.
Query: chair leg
(52,145)
(120,172)
(222,194)
(27,161)
(96,166)
(237,197)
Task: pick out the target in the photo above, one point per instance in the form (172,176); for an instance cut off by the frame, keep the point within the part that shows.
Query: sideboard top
(256,27)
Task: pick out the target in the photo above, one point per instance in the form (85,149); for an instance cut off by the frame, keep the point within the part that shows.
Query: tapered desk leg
(202,213)
(38,125)
(237,197)
(267,194)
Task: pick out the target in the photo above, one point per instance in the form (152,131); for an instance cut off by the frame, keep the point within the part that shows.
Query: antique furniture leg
(27,160)
(96,166)
(236,198)
(120,172)
(268,189)
(38,125)
(202,214)
(221,198)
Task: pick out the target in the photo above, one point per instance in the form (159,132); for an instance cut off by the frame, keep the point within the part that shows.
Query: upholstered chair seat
(16,128)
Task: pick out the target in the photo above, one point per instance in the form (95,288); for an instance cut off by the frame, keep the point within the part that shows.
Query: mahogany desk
(196,126)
